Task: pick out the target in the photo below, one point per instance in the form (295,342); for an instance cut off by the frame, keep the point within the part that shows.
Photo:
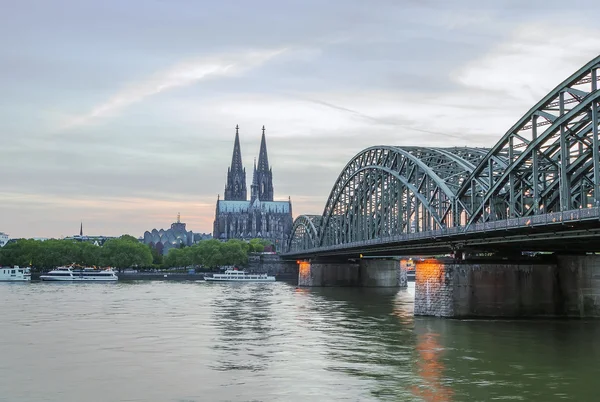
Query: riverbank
(148,276)
(170,276)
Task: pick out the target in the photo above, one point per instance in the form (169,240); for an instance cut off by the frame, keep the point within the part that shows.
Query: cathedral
(236,217)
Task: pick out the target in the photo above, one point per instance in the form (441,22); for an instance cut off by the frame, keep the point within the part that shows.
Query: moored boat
(86,274)
(15,274)
(239,276)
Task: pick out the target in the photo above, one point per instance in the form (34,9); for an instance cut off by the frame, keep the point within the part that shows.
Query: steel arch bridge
(545,166)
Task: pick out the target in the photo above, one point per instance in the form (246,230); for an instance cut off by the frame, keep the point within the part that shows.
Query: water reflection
(368,334)
(431,368)
(242,314)
(371,335)
(517,360)
(155,341)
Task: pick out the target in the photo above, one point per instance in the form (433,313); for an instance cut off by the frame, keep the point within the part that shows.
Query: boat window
(12,271)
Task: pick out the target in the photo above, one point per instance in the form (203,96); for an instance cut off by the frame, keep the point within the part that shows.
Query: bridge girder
(385,191)
(305,233)
(552,154)
(547,162)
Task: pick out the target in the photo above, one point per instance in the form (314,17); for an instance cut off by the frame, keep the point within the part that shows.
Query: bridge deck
(569,230)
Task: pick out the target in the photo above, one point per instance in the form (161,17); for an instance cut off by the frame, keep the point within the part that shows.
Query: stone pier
(569,286)
(364,273)
(327,273)
(382,273)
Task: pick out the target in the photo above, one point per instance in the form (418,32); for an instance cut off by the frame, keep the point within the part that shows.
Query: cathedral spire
(235,189)
(262,183)
(263,159)
(254,173)
(236,158)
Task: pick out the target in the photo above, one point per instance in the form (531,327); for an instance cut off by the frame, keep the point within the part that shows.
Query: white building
(3,239)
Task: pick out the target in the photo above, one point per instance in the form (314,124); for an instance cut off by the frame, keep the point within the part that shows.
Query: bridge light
(360,255)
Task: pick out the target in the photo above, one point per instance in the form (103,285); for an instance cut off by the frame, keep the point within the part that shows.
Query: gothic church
(260,217)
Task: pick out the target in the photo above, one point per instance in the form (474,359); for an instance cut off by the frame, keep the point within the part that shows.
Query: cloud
(533,60)
(180,75)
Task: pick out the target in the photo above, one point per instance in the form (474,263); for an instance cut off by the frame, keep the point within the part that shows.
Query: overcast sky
(121,114)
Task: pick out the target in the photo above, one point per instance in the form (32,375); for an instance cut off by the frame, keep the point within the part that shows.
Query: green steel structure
(544,171)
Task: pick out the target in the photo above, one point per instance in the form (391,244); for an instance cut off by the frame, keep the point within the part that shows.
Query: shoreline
(167,276)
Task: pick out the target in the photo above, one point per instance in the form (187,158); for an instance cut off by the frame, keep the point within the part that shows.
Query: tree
(125,253)
(130,238)
(157,257)
(256,246)
(233,253)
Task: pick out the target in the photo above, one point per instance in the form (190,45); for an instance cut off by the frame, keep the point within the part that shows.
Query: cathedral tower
(235,189)
(260,217)
(262,181)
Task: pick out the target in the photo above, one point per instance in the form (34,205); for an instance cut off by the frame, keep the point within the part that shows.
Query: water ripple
(187,341)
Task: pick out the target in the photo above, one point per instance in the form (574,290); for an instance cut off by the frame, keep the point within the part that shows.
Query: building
(175,237)
(3,239)
(236,217)
(198,237)
(95,240)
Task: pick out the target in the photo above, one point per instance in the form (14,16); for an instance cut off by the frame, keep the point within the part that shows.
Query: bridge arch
(548,161)
(552,154)
(305,233)
(385,191)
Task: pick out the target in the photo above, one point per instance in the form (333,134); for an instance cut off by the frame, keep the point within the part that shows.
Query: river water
(194,341)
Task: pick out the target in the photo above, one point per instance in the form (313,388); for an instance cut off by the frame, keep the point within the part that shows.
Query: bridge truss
(547,162)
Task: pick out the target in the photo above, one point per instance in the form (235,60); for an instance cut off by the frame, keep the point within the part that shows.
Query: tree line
(213,253)
(125,252)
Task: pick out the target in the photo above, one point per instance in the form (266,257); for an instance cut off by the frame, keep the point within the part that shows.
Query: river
(195,341)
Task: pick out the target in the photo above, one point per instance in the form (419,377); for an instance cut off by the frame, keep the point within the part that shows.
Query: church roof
(225,206)
(232,206)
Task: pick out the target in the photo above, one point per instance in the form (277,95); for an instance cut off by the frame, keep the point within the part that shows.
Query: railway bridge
(537,191)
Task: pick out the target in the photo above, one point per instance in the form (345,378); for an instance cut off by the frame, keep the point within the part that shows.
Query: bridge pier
(382,273)
(316,272)
(366,273)
(569,286)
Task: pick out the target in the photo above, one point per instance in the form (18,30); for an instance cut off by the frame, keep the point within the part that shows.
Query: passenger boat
(239,276)
(86,274)
(15,274)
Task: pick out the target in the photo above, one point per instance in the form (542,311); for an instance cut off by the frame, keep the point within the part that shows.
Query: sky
(121,114)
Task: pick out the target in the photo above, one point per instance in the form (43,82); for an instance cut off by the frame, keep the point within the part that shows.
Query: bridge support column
(566,287)
(317,272)
(382,273)
(580,278)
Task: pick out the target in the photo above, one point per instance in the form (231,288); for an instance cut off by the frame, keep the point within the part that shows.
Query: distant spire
(235,189)
(178,217)
(263,176)
(263,159)
(236,158)
(81,229)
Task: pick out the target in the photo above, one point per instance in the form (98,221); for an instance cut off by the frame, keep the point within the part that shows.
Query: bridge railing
(553,218)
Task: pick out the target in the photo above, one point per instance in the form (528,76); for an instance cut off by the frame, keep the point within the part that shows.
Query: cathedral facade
(237,217)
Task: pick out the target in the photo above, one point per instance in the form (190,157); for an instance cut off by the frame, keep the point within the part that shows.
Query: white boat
(15,274)
(86,274)
(239,276)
